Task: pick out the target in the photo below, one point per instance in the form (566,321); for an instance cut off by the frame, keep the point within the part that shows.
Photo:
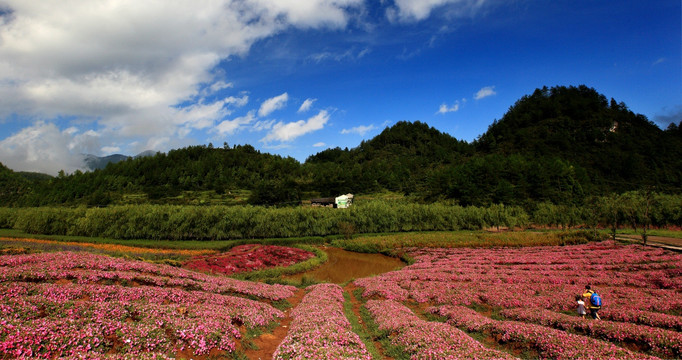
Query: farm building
(341,202)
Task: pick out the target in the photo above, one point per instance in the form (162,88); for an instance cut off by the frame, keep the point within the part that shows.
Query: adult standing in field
(593,302)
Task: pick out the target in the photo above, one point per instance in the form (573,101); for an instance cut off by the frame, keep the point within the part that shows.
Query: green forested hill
(401,159)
(13,186)
(560,144)
(617,148)
(162,177)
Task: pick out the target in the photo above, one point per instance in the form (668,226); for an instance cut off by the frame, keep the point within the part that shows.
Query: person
(594,308)
(581,306)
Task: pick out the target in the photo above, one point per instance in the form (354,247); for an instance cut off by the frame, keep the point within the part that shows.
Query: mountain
(560,145)
(93,162)
(399,159)
(13,186)
(617,148)
(145,153)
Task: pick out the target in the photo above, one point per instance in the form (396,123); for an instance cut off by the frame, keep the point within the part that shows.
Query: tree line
(640,210)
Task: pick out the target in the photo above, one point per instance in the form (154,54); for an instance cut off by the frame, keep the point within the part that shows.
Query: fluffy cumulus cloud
(283,132)
(485,92)
(416,10)
(272,104)
(124,66)
(360,130)
(229,127)
(44,148)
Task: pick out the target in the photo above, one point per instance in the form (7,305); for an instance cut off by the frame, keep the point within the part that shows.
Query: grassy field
(386,244)
(143,243)
(655,232)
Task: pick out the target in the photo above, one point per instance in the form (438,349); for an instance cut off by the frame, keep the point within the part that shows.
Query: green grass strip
(386,244)
(155,244)
(651,232)
(218,245)
(359,329)
(380,336)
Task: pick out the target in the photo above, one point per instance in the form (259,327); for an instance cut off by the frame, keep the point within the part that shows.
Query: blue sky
(296,77)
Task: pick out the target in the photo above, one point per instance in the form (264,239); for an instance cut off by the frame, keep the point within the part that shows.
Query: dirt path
(350,288)
(267,343)
(667,242)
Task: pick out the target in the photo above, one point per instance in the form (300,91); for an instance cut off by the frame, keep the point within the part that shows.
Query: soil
(266,344)
(343,266)
(350,288)
(652,240)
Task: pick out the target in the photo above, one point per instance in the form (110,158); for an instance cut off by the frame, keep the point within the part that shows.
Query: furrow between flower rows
(663,342)
(550,343)
(427,340)
(320,330)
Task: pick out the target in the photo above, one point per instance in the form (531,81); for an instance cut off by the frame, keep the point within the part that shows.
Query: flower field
(248,257)
(522,300)
(485,303)
(71,304)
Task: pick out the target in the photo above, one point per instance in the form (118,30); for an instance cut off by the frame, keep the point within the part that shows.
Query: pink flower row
(91,268)
(427,340)
(664,342)
(320,330)
(249,312)
(550,343)
(48,320)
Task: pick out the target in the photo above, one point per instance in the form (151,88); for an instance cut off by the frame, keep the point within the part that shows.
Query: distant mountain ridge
(93,162)
(561,145)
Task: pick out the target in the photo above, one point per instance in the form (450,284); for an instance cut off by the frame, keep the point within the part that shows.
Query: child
(581,306)
(594,308)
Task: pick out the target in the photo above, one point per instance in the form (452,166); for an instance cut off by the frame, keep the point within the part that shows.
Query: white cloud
(319,144)
(416,10)
(237,101)
(659,61)
(42,147)
(262,125)
(444,109)
(289,131)
(272,104)
(220,85)
(123,67)
(350,54)
(309,13)
(111,150)
(306,105)
(229,127)
(360,130)
(485,92)
(200,116)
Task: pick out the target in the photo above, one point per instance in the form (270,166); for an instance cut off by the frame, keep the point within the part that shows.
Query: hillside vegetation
(561,145)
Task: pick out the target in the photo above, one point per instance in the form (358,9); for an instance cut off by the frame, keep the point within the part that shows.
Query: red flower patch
(249,257)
